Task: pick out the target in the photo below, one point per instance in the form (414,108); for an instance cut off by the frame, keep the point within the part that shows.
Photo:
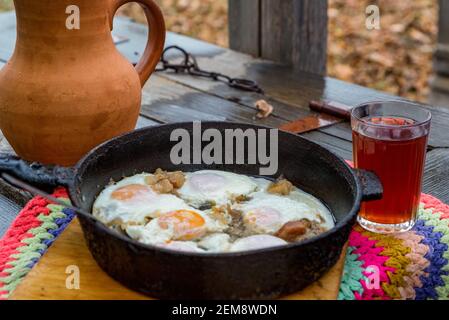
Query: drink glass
(390,139)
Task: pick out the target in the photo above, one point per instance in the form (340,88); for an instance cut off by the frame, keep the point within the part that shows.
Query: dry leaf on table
(265,109)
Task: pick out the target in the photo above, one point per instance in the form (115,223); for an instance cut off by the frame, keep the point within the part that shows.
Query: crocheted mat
(412,265)
(30,235)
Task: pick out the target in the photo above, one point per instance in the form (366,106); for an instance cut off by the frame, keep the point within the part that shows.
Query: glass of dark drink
(390,139)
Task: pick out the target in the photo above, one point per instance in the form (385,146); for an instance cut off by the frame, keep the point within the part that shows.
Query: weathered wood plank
(438,135)
(244,26)
(9,210)
(443,23)
(341,147)
(440,82)
(281,110)
(290,92)
(14,194)
(143,122)
(167,101)
(8,35)
(436,176)
(239,65)
(136,35)
(294,32)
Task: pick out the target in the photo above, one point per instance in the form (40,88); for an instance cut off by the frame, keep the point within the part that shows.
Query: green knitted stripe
(43,228)
(33,246)
(440,225)
(19,267)
(13,277)
(352,274)
(10,287)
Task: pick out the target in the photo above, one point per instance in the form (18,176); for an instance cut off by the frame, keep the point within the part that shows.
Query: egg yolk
(187,225)
(130,191)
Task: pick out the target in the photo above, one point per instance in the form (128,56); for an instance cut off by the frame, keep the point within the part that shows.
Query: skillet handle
(371,185)
(37,192)
(35,173)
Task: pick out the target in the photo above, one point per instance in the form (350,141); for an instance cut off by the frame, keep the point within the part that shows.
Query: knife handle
(333,108)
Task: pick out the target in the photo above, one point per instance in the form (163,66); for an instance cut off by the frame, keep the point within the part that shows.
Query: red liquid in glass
(399,165)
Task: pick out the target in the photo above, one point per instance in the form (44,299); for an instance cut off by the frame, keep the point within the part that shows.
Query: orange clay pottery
(67,89)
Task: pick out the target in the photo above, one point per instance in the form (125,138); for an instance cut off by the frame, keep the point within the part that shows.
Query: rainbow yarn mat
(30,235)
(413,265)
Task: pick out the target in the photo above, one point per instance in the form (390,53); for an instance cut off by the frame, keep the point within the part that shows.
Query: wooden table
(169,97)
(47,280)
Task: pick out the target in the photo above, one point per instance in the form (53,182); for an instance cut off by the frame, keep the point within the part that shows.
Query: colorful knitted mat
(30,235)
(412,265)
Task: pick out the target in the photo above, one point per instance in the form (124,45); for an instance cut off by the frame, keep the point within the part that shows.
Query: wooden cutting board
(47,280)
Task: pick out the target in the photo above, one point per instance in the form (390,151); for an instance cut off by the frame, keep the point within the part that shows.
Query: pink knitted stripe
(435,204)
(418,263)
(369,255)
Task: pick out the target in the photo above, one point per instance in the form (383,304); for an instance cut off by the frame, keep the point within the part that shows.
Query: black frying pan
(160,273)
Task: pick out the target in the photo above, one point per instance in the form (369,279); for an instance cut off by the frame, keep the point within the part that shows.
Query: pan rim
(290,246)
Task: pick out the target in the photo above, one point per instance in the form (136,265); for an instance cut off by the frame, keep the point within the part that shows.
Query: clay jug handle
(156,36)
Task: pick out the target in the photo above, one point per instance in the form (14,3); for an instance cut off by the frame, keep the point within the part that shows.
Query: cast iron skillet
(259,274)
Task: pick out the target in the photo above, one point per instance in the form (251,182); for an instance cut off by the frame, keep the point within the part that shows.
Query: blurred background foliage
(396,59)
(6,5)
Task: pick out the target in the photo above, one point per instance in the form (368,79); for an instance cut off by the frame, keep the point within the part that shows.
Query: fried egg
(179,225)
(321,211)
(206,211)
(257,242)
(202,187)
(133,201)
(216,242)
(267,213)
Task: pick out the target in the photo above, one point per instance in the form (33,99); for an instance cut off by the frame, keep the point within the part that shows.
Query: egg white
(294,207)
(107,209)
(152,233)
(206,186)
(185,246)
(316,205)
(257,242)
(216,242)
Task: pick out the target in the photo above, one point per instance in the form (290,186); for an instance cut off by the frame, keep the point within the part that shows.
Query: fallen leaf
(265,109)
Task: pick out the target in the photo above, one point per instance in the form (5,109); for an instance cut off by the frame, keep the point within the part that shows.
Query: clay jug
(67,89)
